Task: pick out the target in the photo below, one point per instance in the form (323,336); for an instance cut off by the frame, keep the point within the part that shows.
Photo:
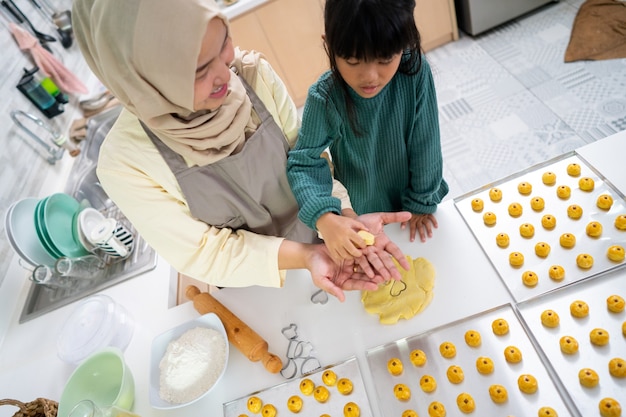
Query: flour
(191,365)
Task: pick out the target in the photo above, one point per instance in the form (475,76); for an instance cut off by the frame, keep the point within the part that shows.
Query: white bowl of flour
(187,362)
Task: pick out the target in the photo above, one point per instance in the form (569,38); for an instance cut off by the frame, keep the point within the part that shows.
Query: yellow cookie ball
(569,345)
(604,202)
(574,212)
(465,402)
(573,170)
(472,338)
(330,378)
(321,394)
(548,221)
(512,354)
(563,192)
(617,367)
(477,205)
(599,337)
(525,188)
(436,409)
(498,393)
(409,413)
(588,377)
(489,218)
(542,249)
(268,410)
(586,184)
(344,386)
(428,383)
(620,222)
(548,178)
(351,409)
(579,309)
(447,350)
(516,259)
(254,404)
(550,318)
(567,240)
(615,303)
(455,374)
(418,357)
(527,383)
(502,240)
(500,327)
(593,229)
(307,386)
(529,278)
(484,365)
(402,392)
(556,272)
(527,230)
(615,253)
(609,407)
(395,367)
(547,412)
(495,194)
(584,261)
(537,203)
(515,209)
(294,404)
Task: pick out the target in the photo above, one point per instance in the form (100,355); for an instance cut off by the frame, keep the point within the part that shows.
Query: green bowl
(45,240)
(58,220)
(103,378)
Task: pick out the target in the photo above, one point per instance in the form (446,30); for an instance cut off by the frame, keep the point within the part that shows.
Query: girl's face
(212,70)
(368,78)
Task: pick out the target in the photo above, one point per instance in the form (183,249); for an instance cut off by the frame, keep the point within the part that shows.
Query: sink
(83,185)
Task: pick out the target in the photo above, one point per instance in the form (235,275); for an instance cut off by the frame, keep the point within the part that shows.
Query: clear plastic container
(96,322)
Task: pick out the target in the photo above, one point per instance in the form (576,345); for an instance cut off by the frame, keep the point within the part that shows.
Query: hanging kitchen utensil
(21,18)
(63,19)
(65,36)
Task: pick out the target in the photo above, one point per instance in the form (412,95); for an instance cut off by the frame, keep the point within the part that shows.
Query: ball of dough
(495,194)
(588,377)
(527,384)
(615,253)
(584,261)
(620,222)
(624,328)
(529,278)
(351,409)
(409,413)
(617,367)
(563,192)
(537,203)
(268,410)
(472,338)
(369,238)
(615,303)
(525,188)
(321,394)
(547,412)
(402,392)
(478,205)
(574,211)
(548,178)
(294,404)
(436,409)
(502,240)
(556,272)
(307,386)
(567,240)
(515,209)
(604,201)
(395,367)
(498,393)
(593,229)
(489,218)
(512,354)
(542,249)
(418,357)
(254,404)
(609,407)
(428,383)
(550,318)
(527,230)
(579,309)
(455,374)
(548,221)
(516,259)
(500,327)
(569,345)
(465,402)
(447,350)
(329,378)
(573,170)
(484,365)
(599,337)
(344,386)
(586,184)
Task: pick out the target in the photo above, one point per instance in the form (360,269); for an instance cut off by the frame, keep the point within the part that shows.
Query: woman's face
(212,70)
(368,78)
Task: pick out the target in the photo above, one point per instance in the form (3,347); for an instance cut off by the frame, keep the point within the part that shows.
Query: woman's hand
(422,223)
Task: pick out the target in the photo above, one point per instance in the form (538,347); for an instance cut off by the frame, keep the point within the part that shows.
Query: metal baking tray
(594,293)
(476,384)
(596,247)
(279,394)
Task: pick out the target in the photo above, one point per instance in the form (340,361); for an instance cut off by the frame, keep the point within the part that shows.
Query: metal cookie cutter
(299,354)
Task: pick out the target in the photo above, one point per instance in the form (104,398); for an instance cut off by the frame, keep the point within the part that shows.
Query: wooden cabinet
(289,34)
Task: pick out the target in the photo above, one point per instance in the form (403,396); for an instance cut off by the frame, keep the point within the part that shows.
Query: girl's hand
(340,236)
(422,223)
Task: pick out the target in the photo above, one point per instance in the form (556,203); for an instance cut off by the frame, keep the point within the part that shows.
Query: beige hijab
(145,52)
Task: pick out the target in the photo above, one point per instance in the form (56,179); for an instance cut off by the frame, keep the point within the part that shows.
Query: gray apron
(248,190)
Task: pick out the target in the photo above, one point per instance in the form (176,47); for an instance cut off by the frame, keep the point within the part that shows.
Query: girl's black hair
(369,30)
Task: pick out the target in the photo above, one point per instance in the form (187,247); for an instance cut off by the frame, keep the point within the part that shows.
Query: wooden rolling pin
(253,346)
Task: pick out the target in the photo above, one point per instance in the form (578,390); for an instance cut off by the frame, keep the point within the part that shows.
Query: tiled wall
(23,171)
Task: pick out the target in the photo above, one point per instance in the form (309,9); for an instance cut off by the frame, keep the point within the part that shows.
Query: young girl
(376,111)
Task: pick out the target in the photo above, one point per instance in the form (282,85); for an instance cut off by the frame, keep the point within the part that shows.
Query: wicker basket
(41,407)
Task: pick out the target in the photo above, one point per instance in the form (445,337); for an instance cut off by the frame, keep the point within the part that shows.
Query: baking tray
(594,293)
(279,394)
(596,247)
(476,384)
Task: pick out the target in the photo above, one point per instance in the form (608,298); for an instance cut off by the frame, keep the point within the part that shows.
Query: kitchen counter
(466,284)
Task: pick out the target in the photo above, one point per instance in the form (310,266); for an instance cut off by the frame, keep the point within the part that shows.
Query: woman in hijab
(196,160)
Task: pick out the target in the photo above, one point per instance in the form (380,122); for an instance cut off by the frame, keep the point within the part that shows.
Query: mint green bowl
(103,378)
(59,212)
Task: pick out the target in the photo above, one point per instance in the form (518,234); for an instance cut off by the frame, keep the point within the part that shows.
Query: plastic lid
(97,322)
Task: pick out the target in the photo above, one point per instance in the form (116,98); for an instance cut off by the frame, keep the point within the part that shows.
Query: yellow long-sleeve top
(136,177)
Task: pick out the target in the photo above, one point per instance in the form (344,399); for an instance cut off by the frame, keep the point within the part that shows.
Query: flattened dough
(405,302)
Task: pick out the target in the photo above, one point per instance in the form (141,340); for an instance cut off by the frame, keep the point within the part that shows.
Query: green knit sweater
(396,162)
